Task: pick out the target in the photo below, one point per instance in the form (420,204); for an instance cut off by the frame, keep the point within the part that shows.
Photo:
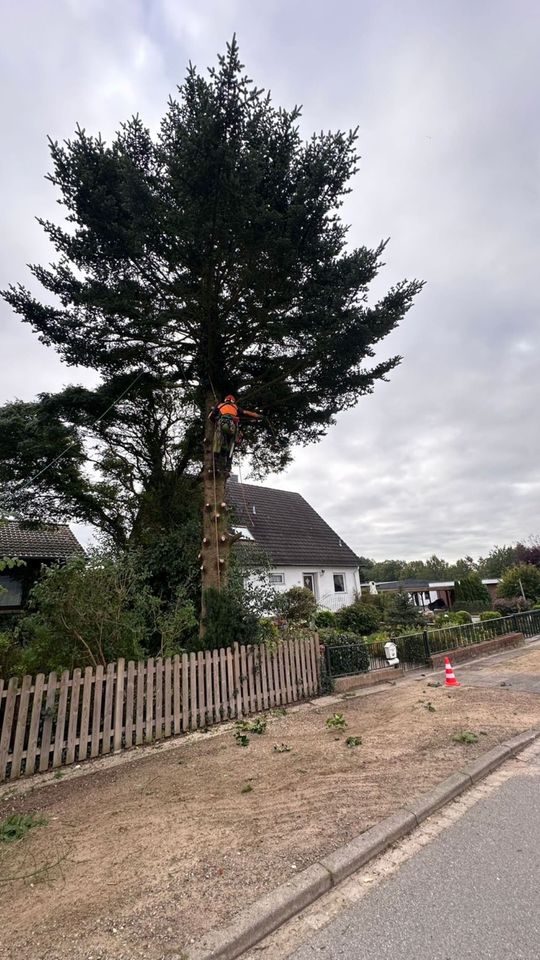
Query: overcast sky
(445,93)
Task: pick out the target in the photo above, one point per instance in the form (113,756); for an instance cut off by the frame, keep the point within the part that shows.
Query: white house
(304,551)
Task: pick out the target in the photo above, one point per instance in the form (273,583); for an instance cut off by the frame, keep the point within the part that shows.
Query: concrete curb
(271,911)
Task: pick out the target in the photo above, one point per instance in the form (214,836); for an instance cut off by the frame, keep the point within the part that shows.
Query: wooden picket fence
(51,722)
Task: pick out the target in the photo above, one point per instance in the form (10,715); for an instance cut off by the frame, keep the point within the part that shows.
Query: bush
(354,658)
(403,613)
(453,618)
(523,575)
(507,605)
(358,618)
(471,606)
(489,615)
(90,611)
(10,655)
(340,638)
(324,618)
(227,621)
(470,589)
(297,605)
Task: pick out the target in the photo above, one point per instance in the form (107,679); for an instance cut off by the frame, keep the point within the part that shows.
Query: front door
(310,581)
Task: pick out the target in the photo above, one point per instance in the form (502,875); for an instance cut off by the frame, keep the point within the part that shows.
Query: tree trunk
(217,540)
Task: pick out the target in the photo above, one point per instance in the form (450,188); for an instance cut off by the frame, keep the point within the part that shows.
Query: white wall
(324,583)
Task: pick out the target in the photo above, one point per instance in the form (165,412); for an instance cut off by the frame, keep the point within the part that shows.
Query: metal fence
(415,649)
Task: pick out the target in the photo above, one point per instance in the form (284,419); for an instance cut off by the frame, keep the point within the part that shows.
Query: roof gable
(287,528)
(43,542)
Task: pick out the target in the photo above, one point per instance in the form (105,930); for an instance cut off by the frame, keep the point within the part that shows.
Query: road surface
(470,890)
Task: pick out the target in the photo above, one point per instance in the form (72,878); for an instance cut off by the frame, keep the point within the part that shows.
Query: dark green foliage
(92,611)
(357,618)
(11,654)
(353,742)
(345,653)
(471,590)
(297,605)
(489,615)
(17,825)
(411,648)
(497,561)
(228,621)
(324,618)
(524,576)
(402,612)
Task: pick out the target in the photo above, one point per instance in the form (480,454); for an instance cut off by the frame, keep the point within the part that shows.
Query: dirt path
(137,859)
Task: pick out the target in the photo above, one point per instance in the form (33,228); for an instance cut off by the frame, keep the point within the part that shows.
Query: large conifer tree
(206,259)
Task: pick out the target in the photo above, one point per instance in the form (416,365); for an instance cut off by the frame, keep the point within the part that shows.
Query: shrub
(324,618)
(489,615)
(471,606)
(523,575)
(228,621)
(358,618)
(92,610)
(297,605)
(10,655)
(354,658)
(470,589)
(454,617)
(507,605)
(402,612)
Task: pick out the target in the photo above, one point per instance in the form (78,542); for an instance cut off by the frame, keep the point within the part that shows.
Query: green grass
(336,722)
(17,826)
(465,737)
(353,741)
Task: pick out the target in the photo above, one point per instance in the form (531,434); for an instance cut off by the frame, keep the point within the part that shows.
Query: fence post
(427,650)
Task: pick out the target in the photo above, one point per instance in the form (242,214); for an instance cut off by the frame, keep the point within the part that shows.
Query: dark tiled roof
(286,527)
(46,542)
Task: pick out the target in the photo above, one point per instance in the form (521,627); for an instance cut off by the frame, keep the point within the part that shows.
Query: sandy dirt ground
(139,859)
(524,662)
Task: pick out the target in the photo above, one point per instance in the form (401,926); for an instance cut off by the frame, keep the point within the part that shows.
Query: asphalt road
(474,892)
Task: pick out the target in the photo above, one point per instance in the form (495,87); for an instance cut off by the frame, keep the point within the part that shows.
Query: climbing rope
(216,518)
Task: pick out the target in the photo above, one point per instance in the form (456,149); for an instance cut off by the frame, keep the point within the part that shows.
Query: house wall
(327,596)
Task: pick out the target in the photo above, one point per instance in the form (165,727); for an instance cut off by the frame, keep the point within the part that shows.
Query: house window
(277,578)
(339,583)
(10,592)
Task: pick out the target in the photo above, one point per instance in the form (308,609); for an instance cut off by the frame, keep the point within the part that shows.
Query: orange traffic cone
(449,676)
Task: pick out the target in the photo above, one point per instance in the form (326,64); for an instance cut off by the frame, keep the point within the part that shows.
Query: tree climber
(226,419)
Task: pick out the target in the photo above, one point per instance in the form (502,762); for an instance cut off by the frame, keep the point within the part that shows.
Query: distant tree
(529,552)
(385,570)
(402,612)
(522,576)
(497,561)
(207,259)
(462,568)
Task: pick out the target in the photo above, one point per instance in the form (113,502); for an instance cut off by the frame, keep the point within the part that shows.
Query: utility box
(390,652)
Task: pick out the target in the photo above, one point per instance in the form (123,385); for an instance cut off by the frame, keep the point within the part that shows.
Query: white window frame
(344,578)
(276,578)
